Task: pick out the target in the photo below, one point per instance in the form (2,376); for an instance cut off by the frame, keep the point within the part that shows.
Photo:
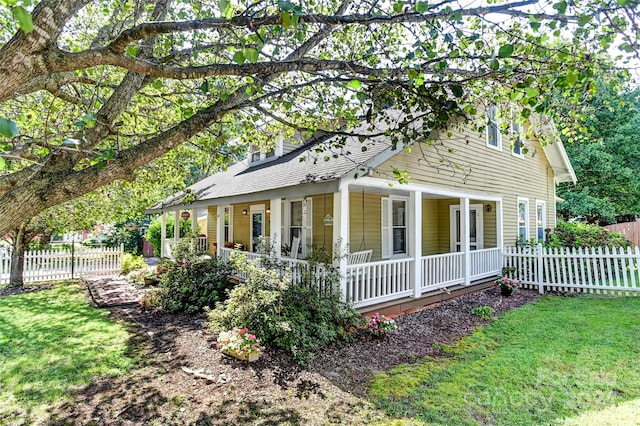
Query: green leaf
(535,26)
(251,55)
(157,84)
(238,57)
(457,90)
(561,7)
(397,7)
(532,92)
(583,20)
(494,65)
(3,164)
(505,50)
(285,5)
(204,87)
(8,128)
(355,84)
(223,5)
(23,17)
(422,6)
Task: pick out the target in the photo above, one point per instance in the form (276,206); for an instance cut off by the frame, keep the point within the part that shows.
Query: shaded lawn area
(52,342)
(573,360)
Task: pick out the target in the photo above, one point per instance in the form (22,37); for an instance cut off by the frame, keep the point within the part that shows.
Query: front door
(475,227)
(257,226)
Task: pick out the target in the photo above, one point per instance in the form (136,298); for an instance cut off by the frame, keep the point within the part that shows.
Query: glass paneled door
(257,226)
(475,227)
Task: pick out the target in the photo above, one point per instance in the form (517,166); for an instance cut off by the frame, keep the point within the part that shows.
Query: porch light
(268,211)
(488,208)
(244,212)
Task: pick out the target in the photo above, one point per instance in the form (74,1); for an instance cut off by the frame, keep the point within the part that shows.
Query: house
(469,192)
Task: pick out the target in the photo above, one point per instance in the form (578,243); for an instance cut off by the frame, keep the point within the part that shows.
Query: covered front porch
(417,239)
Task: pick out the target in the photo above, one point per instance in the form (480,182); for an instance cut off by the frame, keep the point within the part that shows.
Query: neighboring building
(469,194)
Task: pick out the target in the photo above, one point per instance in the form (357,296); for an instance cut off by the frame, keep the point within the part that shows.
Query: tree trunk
(18,246)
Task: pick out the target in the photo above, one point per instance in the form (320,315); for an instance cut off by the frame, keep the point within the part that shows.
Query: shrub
(131,239)
(379,326)
(484,312)
(295,318)
(190,287)
(131,263)
(154,232)
(583,235)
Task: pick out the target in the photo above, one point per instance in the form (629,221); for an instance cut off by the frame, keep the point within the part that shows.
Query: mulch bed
(273,390)
(12,291)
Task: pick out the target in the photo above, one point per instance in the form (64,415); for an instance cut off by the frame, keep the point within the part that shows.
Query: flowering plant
(508,284)
(240,342)
(379,325)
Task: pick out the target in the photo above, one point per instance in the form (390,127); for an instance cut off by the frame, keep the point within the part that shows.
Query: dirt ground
(169,389)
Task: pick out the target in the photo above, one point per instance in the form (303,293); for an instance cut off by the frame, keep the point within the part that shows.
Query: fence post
(540,269)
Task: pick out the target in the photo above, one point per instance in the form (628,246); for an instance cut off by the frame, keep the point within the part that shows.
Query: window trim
(490,123)
(516,131)
(479,208)
(287,226)
(542,203)
(524,200)
(257,208)
(390,227)
(228,208)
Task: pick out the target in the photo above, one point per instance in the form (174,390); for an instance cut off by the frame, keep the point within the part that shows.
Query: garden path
(113,291)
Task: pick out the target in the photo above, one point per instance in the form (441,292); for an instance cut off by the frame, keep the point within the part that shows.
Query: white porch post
(341,234)
(275,221)
(499,226)
(163,234)
(219,229)
(194,222)
(176,227)
(415,241)
(465,240)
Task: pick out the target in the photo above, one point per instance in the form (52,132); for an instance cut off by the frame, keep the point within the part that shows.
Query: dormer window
(257,156)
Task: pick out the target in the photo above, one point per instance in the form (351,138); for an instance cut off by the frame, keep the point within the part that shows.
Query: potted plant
(507,285)
(150,275)
(240,344)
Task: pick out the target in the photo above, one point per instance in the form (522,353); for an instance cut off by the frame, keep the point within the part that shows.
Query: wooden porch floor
(409,304)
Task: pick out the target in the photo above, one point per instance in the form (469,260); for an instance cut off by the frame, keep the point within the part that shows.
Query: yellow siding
(241,229)
(430,227)
(212,220)
(322,234)
(364,223)
(489,171)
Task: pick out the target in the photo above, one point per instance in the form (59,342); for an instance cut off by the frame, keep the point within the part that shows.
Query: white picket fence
(588,270)
(59,264)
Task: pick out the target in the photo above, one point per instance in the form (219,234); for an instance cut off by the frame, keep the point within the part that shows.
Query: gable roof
(307,165)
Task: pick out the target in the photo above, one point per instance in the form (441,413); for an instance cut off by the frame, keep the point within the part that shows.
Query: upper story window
(256,156)
(516,134)
(494,138)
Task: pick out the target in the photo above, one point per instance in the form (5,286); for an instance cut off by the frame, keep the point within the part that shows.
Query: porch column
(341,235)
(163,234)
(219,230)
(176,227)
(499,226)
(275,222)
(415,241)
(194,223)
(465,240)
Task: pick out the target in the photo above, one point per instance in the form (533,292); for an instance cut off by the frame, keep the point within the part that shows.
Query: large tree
(95,89)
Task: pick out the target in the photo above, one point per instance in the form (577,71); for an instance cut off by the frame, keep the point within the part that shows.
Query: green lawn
(52,343)
(560,361)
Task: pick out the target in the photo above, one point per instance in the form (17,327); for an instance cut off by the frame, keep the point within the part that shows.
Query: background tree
(605,153)
(93,90)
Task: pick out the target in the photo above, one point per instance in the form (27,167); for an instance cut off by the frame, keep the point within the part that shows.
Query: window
(399,226)
(541,220)
(228,224)
(255,155)
(523,220)
(516,134)
(494,138)
(295,223)
(394,226)
(298,223)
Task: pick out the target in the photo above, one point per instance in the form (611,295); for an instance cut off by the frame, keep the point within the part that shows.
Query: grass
(564,361)
(52,343)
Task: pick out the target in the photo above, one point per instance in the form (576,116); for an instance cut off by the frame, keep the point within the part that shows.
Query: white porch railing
(377,282)
(442,270)
(201,245)
(486,263)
